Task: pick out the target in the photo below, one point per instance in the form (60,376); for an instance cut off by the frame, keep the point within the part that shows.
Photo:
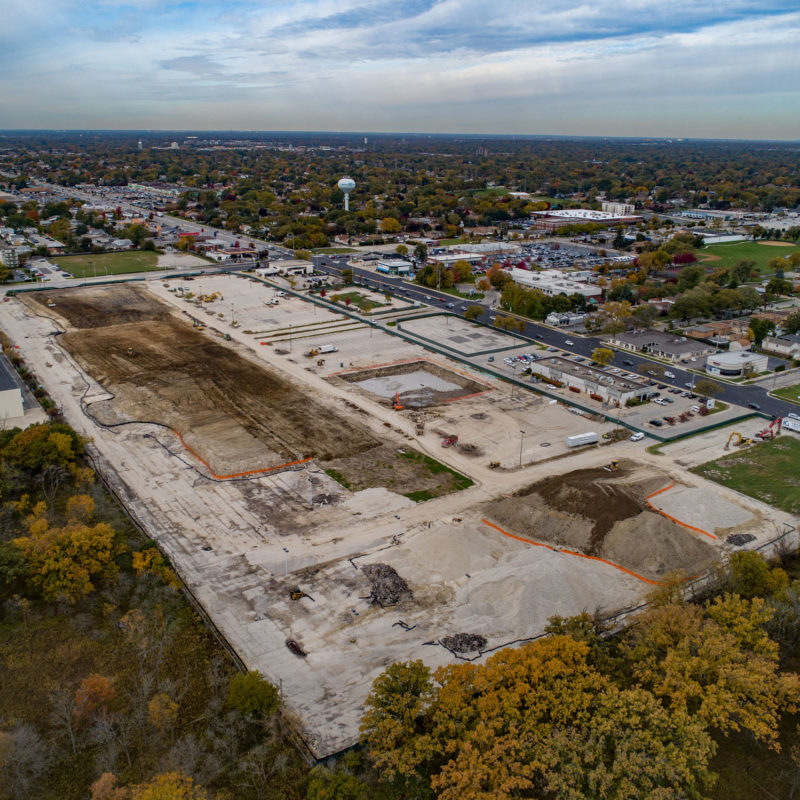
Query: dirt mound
(388,588)
(604,514)
(589,494)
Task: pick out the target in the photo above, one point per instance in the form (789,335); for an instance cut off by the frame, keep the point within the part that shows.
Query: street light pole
(521,437)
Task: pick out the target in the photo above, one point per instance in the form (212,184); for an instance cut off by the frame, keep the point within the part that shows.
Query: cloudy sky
(719,68)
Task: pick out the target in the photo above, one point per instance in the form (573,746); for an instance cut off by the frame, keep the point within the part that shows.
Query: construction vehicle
(449,441)
(738,440)
(771,431)
(494,464)
(611,467)
(131,352)
(397,406)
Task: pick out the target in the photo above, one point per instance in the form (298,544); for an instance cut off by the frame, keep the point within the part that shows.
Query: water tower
(346,185)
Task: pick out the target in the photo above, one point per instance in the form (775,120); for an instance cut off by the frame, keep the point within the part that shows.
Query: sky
(716,69)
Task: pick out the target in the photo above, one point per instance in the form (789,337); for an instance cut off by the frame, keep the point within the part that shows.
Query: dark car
(662,385)
(754,406)
(628,362)
(657,422)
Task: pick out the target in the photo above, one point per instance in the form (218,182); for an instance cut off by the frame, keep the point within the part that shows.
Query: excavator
(771,431)
(738,440)
(397,405)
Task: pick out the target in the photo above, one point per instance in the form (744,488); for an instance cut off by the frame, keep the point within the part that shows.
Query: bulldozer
(613,466)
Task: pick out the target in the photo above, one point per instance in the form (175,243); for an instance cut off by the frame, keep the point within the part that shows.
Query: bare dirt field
(604,514)
(438,576)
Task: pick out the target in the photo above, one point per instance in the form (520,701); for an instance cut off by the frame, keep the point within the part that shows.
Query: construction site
(338,497)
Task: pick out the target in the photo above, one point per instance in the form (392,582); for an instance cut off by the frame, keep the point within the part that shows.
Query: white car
(637,437)
(669,374)
(569,342)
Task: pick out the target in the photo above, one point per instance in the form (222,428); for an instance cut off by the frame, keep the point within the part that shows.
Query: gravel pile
(464,642)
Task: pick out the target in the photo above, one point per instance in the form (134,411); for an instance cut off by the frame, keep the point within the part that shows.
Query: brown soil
(773,243)
(384,466)
(236,414)
(604,514)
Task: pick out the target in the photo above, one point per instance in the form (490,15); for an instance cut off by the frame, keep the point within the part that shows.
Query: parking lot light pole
(521,437)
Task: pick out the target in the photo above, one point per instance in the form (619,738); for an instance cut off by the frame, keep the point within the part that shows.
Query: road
(580,345)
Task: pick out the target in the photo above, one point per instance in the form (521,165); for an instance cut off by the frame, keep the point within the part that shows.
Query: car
(689,385)
(491,359)
(450,305)
(569,342)
(538,336)
(662,385)
(668,400)
(659,402)
(657,422)
(630,364)
(669,374)
(696,409)
(637,437)
(754,406)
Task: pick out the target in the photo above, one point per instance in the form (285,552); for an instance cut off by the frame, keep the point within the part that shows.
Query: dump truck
(579,439)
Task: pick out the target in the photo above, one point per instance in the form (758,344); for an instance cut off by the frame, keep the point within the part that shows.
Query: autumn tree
(602,355)
(92,697)
(533,720)
(169,786)
(707,388)
(715,663)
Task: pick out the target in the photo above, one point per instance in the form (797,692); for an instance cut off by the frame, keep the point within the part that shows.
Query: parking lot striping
(572,553)
(672,519)
(238,474)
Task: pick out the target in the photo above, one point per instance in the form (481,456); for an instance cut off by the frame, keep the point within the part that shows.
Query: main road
(754,397)
(574,344)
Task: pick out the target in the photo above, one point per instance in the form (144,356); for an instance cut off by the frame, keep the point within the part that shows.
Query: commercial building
(10,392)
(735,363)
(394,266)
(663,345)
(552,220)
(590,380)
(786,345)
(553,282)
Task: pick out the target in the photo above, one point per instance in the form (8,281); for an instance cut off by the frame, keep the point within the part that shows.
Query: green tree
(250,693)
(751,576)
(690,276)
(421,253)
(347,275)
(327,784)
(792,323)
(473,312)
(760,328)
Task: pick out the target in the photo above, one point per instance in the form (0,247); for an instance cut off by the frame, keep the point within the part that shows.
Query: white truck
(580,439)
(328,348)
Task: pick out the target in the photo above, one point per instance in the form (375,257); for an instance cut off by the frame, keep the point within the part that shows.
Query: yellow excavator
(738,440)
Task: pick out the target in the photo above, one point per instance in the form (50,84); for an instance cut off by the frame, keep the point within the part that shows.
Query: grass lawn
(359,300)
(770,472)
(108,263)
(790,393)
(334,250)
(729,253)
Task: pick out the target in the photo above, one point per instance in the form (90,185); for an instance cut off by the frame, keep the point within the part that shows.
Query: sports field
(790,393)
(96,264)
(770,472)
(729,253)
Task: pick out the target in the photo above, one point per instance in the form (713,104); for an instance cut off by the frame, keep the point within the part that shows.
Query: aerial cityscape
(460,461)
